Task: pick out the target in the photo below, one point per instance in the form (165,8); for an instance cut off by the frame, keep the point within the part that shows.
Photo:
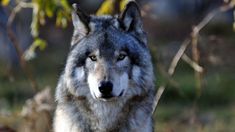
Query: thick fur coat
(106,49)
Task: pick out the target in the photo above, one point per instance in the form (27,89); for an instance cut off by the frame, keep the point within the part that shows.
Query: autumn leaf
(107,7)
(30,52)
(123,4)
(5,2)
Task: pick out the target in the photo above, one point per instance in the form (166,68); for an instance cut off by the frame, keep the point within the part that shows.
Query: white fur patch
(79,73)
(93,85)
(120,84)
(63,123)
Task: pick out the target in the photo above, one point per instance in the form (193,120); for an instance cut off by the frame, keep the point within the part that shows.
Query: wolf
(108,81)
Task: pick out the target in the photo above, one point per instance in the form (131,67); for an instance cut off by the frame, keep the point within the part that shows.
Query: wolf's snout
(106,88)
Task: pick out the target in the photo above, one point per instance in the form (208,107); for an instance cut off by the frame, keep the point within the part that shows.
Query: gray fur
(78,110)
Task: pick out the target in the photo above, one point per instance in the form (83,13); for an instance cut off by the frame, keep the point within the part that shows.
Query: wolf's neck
(107,114)
(112,116)
(115,115)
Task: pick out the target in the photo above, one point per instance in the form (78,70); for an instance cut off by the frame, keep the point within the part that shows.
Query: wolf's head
(109,56)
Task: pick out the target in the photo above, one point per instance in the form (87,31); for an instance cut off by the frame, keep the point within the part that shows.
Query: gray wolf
(108,81)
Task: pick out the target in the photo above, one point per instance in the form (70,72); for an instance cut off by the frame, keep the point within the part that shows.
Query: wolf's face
(107,54)
(108,72)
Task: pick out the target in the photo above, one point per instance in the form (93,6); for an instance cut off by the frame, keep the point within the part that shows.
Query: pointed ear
(131,21)
(80,21)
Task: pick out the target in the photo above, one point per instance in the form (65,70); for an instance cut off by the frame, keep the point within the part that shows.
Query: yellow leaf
(123,4)
(39,43)
(5,2)
(65,5)
(107,7)
(30,53)
(35,26)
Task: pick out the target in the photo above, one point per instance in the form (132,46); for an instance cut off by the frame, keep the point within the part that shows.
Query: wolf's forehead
(103,22)
(106,35)
(107,44)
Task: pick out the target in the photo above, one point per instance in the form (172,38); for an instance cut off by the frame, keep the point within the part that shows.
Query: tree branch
(16,43)
(193,64)
(180,54)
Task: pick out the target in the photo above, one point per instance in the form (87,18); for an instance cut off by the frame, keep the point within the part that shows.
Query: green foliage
(60,10)
(38,43)
(106,8)
(43,9)
(41,44)
(62,19)
(49,8)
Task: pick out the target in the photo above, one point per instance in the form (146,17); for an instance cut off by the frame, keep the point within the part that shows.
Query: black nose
(106,88)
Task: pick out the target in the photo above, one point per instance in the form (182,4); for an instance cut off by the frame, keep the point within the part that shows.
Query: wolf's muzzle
(105,89)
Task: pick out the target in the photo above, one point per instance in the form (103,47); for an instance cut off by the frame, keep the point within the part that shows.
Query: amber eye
(93,58)
(121,57)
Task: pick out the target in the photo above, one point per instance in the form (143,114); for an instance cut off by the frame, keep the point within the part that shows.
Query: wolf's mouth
(121,93)
(109,97)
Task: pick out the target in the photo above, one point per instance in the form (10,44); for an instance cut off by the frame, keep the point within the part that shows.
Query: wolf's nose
(106,87)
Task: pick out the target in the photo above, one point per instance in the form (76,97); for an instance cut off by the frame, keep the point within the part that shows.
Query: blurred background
(192,43)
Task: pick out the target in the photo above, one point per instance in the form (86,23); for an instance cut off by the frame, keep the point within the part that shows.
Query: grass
(177,118)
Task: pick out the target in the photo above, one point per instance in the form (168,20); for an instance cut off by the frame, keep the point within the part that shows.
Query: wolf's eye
(93,58)
(121,57)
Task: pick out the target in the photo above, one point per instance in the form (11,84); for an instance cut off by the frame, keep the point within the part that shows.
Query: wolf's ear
(80,21)
(131,20)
